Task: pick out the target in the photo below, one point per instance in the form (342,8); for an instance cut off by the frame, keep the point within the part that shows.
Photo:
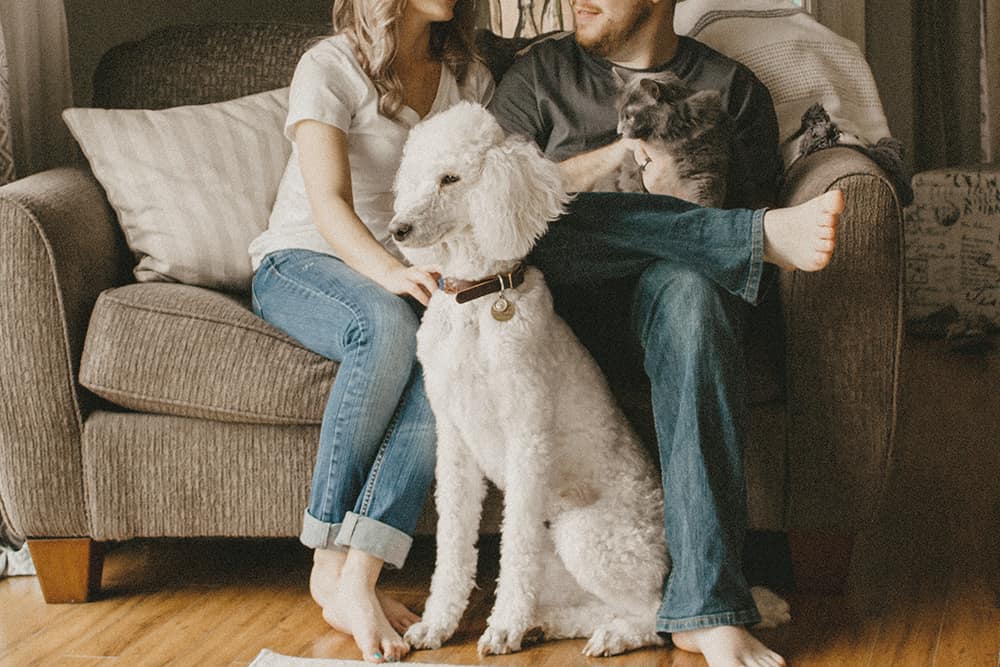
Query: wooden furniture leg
(820,561)
(69,570)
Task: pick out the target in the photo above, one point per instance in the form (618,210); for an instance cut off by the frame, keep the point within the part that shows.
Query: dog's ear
(520,193)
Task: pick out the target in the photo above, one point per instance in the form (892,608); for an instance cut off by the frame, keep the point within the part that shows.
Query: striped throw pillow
(192,185)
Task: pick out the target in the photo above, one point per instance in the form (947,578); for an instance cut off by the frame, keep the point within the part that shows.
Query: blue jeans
(375,461)
(678,279)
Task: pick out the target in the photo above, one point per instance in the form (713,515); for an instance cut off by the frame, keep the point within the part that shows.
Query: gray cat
(691,126)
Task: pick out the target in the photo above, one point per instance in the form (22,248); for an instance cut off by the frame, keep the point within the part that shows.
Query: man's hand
(658,168)
(595,170)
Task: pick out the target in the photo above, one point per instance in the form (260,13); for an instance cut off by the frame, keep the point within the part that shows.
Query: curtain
(946,87)
(36,86)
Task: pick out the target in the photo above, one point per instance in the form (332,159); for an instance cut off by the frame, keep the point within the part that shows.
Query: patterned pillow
(192,185)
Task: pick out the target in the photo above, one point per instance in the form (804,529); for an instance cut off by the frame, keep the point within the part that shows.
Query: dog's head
(461,181)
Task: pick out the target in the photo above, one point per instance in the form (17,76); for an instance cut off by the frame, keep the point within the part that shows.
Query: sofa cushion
(187,351)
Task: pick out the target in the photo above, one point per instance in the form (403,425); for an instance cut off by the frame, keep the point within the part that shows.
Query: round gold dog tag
(502,310)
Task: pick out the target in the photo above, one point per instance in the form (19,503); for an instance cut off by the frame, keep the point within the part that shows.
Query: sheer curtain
(35,87)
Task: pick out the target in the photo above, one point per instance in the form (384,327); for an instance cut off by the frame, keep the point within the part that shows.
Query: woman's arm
(326,172)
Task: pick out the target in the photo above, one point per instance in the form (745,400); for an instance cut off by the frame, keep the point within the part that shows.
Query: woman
(327,274)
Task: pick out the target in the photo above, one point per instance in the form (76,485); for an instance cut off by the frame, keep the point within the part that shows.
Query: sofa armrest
(843,341)
(60,246)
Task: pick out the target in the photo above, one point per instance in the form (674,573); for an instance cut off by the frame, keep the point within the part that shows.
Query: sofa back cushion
(200,64)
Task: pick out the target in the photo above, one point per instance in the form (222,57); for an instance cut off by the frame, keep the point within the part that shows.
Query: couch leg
(69,570)
(820,561)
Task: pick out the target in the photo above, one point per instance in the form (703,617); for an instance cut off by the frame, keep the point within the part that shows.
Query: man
(676,277)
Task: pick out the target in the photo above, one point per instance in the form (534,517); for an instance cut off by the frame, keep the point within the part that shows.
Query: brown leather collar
(467,290)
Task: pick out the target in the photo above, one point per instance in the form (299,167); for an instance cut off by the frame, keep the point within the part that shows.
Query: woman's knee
(386,324)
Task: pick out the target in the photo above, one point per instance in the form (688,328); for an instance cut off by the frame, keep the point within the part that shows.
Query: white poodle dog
(519,401)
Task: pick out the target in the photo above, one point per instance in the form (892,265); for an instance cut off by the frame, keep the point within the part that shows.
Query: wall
(97,25)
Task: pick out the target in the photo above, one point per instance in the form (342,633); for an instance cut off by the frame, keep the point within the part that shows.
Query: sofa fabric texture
(192,352)
(207,423)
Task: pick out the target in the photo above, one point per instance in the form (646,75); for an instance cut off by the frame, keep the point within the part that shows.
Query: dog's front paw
(774,611)
(499,640)
(424,635)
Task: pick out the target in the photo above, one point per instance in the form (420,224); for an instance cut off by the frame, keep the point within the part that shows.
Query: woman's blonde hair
(373,27)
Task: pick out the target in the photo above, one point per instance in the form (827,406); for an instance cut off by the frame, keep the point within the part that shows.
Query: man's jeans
(678,278)
(375,461)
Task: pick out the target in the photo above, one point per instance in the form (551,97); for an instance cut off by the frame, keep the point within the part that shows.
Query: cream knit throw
(799,60)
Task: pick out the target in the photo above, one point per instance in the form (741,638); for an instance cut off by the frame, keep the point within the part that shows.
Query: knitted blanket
(802,63)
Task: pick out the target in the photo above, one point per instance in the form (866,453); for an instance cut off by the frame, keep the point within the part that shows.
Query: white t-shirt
(330,86)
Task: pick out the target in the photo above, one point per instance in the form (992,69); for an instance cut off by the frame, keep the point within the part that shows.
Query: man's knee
(678,301)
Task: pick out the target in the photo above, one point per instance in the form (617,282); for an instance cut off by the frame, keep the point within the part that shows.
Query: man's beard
(617,35)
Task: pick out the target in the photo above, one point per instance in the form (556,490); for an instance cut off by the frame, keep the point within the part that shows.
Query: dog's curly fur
(522,404)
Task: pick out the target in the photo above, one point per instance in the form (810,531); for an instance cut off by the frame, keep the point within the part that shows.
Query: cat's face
(648,101)
(663,106)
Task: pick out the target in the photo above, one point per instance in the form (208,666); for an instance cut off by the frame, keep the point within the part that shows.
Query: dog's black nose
(400,232)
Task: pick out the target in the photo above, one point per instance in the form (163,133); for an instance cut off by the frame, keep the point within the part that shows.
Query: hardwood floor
(924,588)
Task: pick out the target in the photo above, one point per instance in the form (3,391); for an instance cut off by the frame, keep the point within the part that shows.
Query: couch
(150,410)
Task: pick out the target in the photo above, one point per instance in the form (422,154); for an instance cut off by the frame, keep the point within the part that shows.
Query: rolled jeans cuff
(374,538)
(318,534)
(746,617)
(752,291)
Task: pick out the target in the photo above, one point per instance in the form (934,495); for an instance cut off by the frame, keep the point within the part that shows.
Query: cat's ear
(651,88)
(705,105)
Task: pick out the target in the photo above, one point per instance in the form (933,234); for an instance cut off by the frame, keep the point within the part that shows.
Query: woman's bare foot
(351,605)
(727,646)
(399,615)
(803,236)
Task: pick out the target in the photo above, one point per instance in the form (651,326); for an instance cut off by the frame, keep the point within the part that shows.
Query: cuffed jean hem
(318,534)
(752,292)
(374,538)
(745,617)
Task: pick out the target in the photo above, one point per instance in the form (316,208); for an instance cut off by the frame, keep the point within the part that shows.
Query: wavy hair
(372,25)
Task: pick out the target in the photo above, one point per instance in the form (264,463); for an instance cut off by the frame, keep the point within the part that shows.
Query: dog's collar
(467,290)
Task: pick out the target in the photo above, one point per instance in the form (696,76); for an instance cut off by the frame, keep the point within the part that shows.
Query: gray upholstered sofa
(153,410)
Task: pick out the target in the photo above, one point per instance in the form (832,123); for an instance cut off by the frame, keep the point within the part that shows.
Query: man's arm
(583,172)
(756,165)
(515,106)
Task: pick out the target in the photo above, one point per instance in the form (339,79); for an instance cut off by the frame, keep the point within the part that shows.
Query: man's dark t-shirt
(564,99)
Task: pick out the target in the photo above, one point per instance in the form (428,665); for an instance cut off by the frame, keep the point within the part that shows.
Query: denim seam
(756,262)
(338,420)
(379,458)
(744,617)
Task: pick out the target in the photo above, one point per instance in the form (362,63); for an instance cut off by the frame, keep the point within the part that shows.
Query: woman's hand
(416,281)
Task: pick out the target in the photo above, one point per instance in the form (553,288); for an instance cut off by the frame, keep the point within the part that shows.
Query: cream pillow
(192,185)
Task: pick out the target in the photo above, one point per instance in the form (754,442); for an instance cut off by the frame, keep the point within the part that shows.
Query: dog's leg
(523,539)
(461,488)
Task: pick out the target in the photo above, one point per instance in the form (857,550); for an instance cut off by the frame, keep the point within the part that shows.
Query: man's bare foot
(351,604)
(803,236)
(727,646)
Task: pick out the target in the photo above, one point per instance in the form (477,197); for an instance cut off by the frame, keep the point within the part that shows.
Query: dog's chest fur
(469,358)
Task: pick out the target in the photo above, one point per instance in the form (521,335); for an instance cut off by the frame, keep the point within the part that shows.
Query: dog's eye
(448,179)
